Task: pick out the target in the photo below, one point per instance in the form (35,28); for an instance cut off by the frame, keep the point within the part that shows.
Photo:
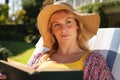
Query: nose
(63,28)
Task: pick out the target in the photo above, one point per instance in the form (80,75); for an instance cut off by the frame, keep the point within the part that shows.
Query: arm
(37,54)
(96,68)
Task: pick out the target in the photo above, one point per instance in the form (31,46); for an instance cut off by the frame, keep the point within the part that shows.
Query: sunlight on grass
(23,57)
(22,51)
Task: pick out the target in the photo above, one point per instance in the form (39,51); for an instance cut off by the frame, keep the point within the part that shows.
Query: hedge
(99,8)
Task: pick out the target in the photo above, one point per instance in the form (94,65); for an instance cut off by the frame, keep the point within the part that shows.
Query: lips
(64,36)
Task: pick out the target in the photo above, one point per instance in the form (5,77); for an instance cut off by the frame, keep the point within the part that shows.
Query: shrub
(4,53)
(99,8)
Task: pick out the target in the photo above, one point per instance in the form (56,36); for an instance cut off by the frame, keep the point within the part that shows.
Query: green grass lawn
(22,51)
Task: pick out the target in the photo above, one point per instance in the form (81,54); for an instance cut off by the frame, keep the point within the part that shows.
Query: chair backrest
(107,41)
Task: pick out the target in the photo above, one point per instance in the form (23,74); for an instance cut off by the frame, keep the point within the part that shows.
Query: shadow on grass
(16,47)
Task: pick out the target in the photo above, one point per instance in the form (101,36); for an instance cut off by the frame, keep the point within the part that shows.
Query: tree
(3,13)
(33,7)
(6,1)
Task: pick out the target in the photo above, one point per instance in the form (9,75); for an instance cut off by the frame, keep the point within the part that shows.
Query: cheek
(75,28)
(54,32)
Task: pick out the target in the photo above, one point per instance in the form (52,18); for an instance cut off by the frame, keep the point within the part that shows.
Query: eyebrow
(65,19)
(69,18)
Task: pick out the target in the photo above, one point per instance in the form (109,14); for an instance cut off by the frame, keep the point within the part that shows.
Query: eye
(68,22)
(55,25)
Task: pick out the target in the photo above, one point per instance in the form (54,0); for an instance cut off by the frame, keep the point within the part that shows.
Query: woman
(66,33)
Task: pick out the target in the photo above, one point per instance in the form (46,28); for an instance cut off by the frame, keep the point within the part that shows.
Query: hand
(3,76)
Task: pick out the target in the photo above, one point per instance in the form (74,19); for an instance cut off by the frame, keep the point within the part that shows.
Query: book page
(18,65)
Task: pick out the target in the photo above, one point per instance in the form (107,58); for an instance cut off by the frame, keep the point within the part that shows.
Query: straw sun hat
(90,23)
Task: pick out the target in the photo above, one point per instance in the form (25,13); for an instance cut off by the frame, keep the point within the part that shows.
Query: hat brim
(90,22)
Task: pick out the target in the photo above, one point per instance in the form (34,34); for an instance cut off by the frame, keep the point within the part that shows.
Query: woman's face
(64,27)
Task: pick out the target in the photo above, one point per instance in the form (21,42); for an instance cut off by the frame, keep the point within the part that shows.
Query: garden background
(19,33)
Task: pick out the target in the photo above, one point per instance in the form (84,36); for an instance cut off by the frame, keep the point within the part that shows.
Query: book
(18,71)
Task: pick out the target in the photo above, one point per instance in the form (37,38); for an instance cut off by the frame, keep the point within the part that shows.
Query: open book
(18,71)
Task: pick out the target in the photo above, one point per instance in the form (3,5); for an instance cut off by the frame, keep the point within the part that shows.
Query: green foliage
(12,36)
(4,53)
(19,33)
(24,22)
(3,13)
(98,8)
(2,18)
(19,17)
(28,3)
(32,38)
(32,7)
(4,9)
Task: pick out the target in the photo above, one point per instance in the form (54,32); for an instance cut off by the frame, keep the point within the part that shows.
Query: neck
(69,48)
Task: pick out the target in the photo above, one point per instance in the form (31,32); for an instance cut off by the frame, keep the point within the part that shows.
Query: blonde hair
(81,38)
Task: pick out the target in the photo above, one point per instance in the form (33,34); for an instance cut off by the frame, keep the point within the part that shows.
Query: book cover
(18,71)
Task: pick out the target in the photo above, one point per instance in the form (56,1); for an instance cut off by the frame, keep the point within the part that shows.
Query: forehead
(61,13)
